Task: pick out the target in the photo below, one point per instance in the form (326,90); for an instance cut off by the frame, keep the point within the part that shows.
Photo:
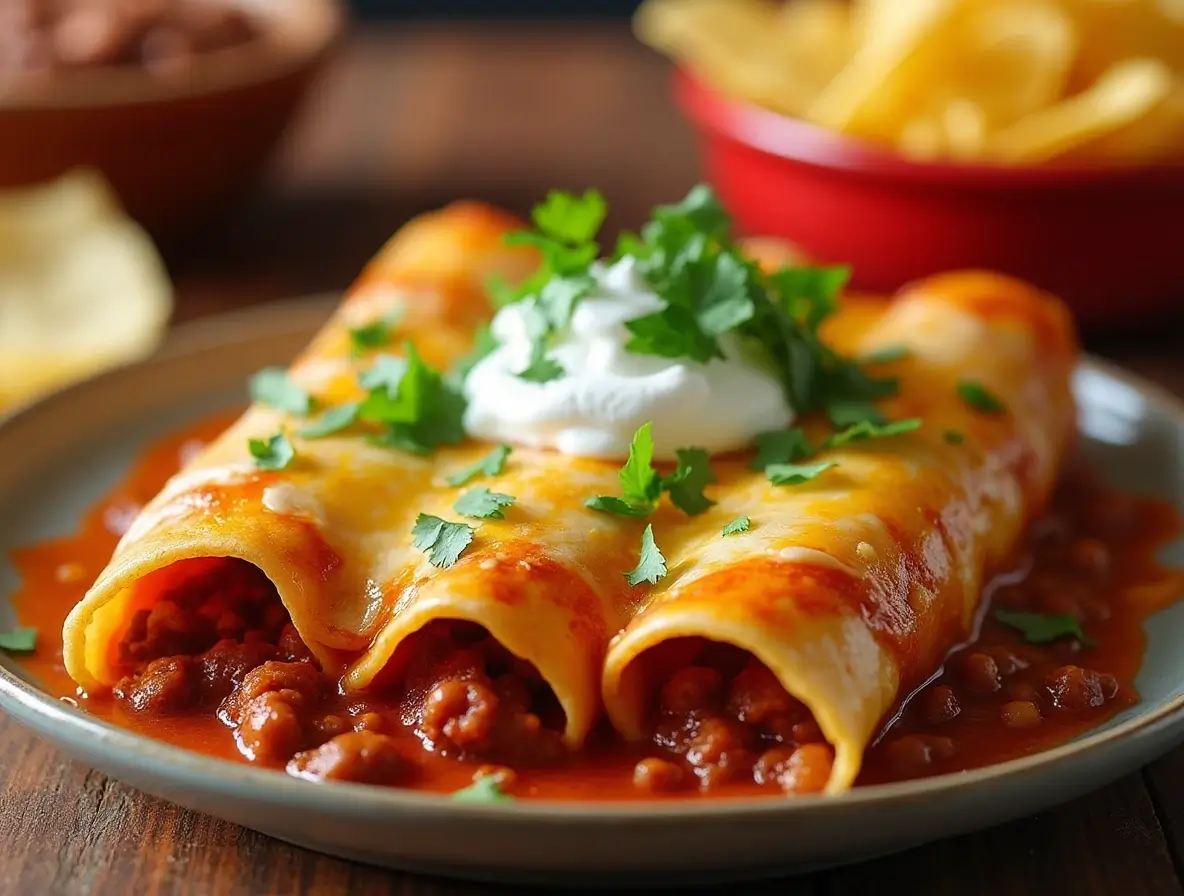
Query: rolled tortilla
(851,588)
(332,532)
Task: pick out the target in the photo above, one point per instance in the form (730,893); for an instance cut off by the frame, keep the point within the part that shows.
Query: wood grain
(407,120)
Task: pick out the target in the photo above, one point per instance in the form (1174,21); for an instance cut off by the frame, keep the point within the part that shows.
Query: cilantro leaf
(484,790)
(843,414)
(796,474)
(19,640)
(1041,628)
(889,354)
(673,332)
(953,437)
(484,344)
(688,258)
(491,464)
(570,218)
(440,539)
(977,396)
(482,504)
(700,211)
(642,486)
(640,483)
(617,507)
(385,373)
(274,387)
(541,369)
(394,438)
(558,297)
(418,408)
(567,228)
(868,429)
(781,446)
(274,453)
(651,565)
(332,421)
(372,335)
(738,525)
(685,486)
(724,300)
(810,294)
(558,257)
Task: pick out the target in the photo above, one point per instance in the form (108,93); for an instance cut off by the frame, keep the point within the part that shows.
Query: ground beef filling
(233,602)
(723,717)
(224,644)
(469,698)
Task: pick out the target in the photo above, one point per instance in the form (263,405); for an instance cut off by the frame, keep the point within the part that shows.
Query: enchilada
(355,581)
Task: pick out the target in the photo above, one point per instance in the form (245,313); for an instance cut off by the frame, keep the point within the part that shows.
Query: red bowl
(1106,239)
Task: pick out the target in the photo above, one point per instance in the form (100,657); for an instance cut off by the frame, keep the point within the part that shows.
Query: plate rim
(36,709)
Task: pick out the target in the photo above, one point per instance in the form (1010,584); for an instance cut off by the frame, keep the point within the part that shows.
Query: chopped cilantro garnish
(977,396)
(541,369)
(274,453)
(19,640)
(642,486)
(332,421)
(953,437)
(866,430)
(1041,628)
(491,464)
(640,482)
(796,474)
(571,219)
(778,453)
(483,344)
(671,333)
(738,525)
(400,442)
(273,386)
(566,228)
(617,506)
(372,335)
(484,790)
(711,288)
(441,540)
(782,446)
(418,409)
(685,486)
(651,565)
(887,355)
(386,372)
(482,504)
(843,414)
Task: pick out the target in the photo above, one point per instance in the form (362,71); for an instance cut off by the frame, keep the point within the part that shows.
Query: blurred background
(395,9)
(164,160)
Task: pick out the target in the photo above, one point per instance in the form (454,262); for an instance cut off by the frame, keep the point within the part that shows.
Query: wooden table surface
(405,120)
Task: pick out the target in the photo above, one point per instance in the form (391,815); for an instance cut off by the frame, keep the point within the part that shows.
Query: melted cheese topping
(849,588)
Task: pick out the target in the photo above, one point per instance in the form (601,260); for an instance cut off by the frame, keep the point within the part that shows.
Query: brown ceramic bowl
(177,148)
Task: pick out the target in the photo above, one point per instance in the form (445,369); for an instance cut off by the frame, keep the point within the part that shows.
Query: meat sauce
(217,667)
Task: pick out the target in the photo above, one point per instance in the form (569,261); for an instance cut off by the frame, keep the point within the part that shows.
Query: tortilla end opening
(656,691)
(426,665)
(181,608)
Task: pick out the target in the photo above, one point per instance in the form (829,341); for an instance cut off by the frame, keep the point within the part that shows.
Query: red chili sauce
(219,669)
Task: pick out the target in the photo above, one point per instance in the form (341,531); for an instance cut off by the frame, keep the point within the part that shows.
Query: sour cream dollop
(607,392)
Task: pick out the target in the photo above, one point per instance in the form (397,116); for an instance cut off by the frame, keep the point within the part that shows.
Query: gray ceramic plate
(61,455)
